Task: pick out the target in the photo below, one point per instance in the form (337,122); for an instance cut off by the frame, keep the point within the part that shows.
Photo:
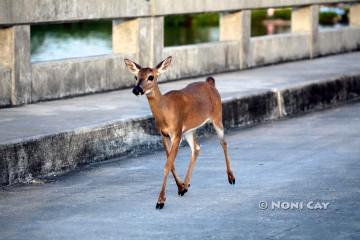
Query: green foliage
(284,14)
(328,18)
(325,18)
(207,19)
(174,21)
(260,15)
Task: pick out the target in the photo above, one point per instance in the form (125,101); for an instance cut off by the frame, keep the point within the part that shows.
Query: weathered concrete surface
(306,19)
(13,11)
(31,11)
(5,86)
(15,55)
(190,6)
(311,158)
(343,40)
(64,78)
(74,77)
(43,138)
(319,95)
(355,15)
(267,50)
(236,26)
(141,37)
(201,59)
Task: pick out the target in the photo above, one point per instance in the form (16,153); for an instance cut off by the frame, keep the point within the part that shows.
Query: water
(184,36)
(61,41)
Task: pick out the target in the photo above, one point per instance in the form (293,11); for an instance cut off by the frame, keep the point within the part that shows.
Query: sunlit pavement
(304,171)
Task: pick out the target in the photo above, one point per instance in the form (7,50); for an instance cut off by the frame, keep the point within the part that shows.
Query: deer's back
(194,104)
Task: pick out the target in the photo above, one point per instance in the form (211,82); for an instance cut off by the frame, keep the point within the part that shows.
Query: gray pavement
(30,121)
(311,158)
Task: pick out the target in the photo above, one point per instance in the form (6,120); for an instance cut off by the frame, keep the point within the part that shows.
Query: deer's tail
(210,80)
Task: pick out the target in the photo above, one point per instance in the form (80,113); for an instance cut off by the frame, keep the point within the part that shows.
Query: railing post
(141,36)
(236,26)
(15,55)
(306,19)
(355,15)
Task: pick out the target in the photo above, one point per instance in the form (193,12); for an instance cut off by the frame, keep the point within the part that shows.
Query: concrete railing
(138,32)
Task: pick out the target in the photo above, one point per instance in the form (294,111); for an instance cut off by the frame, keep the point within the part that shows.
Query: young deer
(179,113)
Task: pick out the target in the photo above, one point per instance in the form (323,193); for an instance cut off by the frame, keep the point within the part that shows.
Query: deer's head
(146,78)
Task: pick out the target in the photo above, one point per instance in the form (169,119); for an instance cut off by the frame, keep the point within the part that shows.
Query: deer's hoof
(160,205)
(182,192)
(232,181)
(184,185)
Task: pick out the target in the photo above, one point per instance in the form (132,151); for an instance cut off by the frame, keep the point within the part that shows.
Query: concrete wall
(73,77)
(5,86)
(15,55)
(339,40)
(64,78)
(201,59)
(12,11)
(278,48)
(162,7)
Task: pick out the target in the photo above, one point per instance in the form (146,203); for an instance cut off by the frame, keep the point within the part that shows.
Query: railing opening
(270,21)
(70,40)
(333,16)
(191,29)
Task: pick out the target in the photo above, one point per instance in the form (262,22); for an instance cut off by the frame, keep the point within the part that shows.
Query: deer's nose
(138,90)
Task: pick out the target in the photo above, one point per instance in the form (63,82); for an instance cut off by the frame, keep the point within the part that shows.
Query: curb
(59,153)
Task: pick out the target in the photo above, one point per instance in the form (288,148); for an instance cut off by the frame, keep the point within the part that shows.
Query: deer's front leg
(168,166)
(167,147)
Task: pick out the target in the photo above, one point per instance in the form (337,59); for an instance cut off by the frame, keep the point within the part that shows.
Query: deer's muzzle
(137,90)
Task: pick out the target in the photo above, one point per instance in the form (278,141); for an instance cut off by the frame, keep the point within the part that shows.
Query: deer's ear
(164,65)
(132,66)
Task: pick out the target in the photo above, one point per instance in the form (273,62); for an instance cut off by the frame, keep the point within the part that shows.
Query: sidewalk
(48,137)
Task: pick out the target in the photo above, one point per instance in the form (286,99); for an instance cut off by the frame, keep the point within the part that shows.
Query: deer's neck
(154,102)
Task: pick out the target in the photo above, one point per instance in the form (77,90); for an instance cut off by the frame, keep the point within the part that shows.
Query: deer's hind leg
(219,128)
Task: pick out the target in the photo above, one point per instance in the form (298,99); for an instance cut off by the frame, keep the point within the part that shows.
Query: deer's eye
(135,77)
(150,78)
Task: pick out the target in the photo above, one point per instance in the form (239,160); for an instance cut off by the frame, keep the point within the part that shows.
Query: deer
(177,115)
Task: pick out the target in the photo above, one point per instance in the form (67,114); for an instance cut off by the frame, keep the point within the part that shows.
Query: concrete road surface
(304,171)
